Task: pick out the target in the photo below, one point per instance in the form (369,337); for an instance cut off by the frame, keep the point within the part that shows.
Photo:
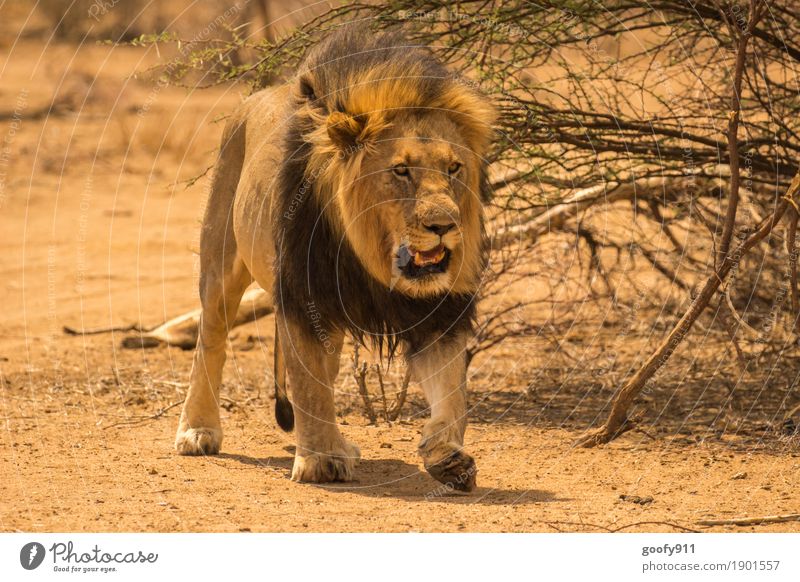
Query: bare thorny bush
(647,154)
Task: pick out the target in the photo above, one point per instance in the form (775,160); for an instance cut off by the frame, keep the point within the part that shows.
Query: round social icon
(31,555)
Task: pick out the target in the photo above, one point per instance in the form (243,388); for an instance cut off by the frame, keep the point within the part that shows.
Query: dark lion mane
(320,283)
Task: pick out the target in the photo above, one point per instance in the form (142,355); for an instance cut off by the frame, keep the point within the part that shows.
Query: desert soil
(97,230)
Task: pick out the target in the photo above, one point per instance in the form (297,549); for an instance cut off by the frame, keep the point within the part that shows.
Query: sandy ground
(84,456)
(96,233)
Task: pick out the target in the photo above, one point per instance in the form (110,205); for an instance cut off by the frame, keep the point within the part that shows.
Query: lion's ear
(345,130)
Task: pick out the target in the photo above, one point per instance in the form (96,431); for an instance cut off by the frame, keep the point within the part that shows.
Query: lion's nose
(440,229)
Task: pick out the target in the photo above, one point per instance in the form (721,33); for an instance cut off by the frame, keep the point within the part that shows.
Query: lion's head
(398,160)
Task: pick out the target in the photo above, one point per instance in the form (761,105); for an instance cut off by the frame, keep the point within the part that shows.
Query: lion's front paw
(337,465)
(198,441)
(456,470)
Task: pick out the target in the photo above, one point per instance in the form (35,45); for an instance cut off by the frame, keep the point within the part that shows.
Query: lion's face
(412,211)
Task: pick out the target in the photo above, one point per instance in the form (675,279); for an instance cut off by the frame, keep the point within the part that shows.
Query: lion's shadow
(382,478)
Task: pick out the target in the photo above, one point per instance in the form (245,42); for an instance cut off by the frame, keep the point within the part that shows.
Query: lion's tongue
(430,257)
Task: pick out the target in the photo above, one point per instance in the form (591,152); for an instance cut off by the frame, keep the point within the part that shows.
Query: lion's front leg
(441,369)
(312,361)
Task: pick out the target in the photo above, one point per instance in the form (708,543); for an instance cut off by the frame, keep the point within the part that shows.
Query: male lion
(354,195)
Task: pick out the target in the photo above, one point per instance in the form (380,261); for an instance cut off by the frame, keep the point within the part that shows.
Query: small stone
(740,475)
(636,499)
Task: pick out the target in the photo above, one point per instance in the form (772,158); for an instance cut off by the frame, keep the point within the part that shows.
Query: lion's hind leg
(223,280)
(199,430)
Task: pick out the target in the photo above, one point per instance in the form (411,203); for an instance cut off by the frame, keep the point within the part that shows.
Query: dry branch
(738,318)
(752,520)
(733,127)
(653,188)
(791,238)
(142,419)
(391,412)
(360,376)
(792,412)
(69,330)
(383,393)
(400,400)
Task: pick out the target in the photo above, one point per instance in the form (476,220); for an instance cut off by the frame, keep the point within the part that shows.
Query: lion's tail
(284,413)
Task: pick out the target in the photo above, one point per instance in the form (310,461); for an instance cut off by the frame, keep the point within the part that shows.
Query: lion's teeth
(421,260)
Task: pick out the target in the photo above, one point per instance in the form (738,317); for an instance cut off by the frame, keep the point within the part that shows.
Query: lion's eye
(454,168)
(400,170)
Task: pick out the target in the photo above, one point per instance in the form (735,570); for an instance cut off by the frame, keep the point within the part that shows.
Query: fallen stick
(130,423)
(98,330)
(620,528)
(667,523)
(752,520)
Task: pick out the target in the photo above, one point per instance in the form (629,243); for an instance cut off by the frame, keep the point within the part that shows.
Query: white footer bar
(401,557)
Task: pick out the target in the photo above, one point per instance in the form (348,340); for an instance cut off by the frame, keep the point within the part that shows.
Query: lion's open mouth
(415,264)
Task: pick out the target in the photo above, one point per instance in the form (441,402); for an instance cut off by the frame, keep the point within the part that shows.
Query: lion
(354,195)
